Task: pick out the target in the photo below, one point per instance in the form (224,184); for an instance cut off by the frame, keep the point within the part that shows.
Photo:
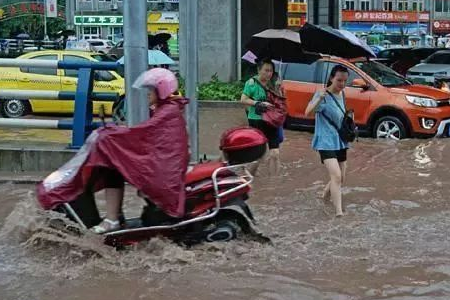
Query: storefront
(111,27)
(441,27)
(99,27)
(165,22)
(386,22)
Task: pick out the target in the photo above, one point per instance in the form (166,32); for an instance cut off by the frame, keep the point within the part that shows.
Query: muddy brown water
(392,244)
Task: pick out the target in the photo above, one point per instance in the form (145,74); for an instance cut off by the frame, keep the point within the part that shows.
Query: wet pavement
(392,243)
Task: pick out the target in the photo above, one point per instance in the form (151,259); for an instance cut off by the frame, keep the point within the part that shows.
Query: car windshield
(382,74)
(439,58)
(102,58)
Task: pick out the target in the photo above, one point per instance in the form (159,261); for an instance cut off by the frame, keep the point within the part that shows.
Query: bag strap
(337,103)
(328,119)
(260,84)
(330,122)
(266,89)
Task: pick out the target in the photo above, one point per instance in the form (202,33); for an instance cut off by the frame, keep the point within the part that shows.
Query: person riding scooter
(152,156)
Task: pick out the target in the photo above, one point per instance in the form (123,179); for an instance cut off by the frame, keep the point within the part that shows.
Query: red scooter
(216,194)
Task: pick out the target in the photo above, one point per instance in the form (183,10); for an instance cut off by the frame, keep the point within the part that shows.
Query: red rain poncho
(152,156)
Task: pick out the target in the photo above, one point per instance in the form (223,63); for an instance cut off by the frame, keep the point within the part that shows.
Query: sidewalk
(29,150)
(22,178)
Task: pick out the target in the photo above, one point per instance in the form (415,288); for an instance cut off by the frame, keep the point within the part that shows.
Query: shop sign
(98,20)
(29,8)
(297,8)
(441,26)
(384,16)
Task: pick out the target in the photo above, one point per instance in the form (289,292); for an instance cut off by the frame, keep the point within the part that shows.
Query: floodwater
(392,243)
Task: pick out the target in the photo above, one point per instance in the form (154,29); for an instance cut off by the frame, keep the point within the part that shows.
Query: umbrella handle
(280,70)
(326,75)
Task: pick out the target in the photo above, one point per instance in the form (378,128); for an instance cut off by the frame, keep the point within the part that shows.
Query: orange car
(385,104)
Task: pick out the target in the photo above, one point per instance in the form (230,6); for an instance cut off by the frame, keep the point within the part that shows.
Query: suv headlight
(421,101)
(443,73)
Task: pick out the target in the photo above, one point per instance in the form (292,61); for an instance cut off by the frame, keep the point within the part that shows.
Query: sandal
(106,226)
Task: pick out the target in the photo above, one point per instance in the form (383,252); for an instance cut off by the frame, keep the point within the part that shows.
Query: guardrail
(82,124)
(12,47)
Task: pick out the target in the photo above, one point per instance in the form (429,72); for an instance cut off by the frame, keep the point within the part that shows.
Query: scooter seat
(202,171)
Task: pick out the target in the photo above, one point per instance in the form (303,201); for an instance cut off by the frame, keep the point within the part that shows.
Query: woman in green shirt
(255,99)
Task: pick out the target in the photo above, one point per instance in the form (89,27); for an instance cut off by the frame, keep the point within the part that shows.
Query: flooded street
(392,243)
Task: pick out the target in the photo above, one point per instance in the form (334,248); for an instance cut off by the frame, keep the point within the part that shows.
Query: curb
(20,180)
(219,104)
(36,177)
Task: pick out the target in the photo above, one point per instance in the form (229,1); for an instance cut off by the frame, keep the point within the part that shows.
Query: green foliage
(219,90)
(31,23)
(216,89)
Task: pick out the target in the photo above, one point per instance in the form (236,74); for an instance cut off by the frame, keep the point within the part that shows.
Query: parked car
(116,52)
(101,46)
(35,78)
(391,55)
(412,58)
(385,104)
(377,49)
(437,65)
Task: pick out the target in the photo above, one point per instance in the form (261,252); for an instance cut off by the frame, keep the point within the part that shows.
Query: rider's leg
(114,192)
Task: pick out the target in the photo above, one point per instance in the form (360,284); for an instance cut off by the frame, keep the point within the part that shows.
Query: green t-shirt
(255,91)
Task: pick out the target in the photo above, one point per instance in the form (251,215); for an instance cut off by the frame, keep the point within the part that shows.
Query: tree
(30,23)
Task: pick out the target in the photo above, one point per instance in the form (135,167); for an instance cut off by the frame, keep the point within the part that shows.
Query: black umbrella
(66,32)
(157,39)
(327,40)
(280,44)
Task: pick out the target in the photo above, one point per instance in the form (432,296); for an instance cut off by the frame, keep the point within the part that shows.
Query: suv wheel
(389,127)
(14,108)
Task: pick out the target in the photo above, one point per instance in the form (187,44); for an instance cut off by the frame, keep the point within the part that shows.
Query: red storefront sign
(297,8)
(441,26)
(24,8)
(384,16)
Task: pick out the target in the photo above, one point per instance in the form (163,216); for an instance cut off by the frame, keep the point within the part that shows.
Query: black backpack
(348,131)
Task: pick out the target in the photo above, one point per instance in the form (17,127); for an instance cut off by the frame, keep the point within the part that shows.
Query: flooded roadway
(392,244)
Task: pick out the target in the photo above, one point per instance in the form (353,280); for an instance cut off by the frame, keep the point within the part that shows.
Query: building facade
(406,17)
(441,17)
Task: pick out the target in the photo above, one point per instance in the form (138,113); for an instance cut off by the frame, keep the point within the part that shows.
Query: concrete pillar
(218,32)
(216,38)
(70,13)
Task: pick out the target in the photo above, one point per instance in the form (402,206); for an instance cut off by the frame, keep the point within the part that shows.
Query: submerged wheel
(224,231)
(389,127)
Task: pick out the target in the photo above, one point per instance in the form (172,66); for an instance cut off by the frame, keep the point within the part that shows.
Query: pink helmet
(163,80)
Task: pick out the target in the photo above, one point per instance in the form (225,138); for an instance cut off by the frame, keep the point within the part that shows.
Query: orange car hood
(421,91)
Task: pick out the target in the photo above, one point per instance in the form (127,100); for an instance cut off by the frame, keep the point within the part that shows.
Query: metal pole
(418,23)
(70,13)
(45,18)
(136,58)
(192,75)
(239,38)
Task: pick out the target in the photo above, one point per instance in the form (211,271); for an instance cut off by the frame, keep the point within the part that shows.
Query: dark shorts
(269,131)
(340,155)
(112,178)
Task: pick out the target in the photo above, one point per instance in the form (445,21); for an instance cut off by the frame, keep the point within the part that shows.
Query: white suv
(101,46)
(436,65)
